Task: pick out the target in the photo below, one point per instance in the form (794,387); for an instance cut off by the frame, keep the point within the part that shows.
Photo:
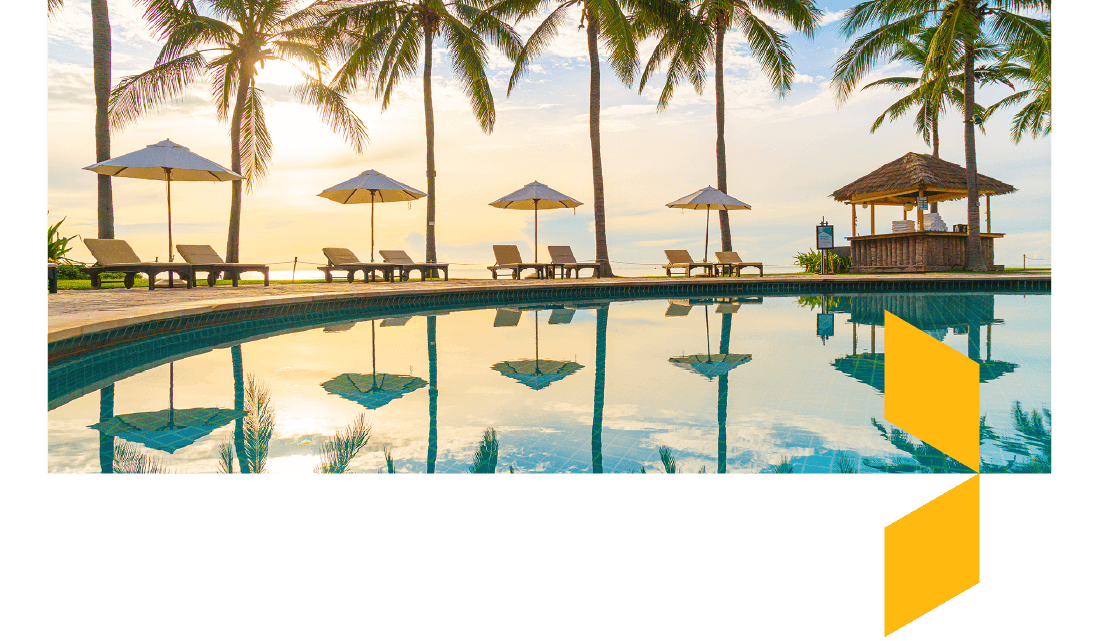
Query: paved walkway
(74,312)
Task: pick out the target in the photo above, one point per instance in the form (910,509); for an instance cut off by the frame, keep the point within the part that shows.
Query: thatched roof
(900,180)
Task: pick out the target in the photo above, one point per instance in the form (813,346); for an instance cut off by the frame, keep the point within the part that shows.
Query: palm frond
(225,456)
(668,461)
(337,453)
(135,95)
(259,425)
(129,458)
(485,459)
(869,50)
(256,146)
(468,56)
(334,111)
(536,43)
(618,36)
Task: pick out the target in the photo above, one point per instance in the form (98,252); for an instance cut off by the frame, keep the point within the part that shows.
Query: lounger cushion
(200,254)
(507,254)
(340,255)
(396,256)
(112,251)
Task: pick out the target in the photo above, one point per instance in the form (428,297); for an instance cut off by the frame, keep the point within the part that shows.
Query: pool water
(743,384)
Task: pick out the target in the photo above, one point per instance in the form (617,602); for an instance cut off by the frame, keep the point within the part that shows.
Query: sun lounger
(507,317)
(508,258)
(562,259)
(343,260)
(114,255)
(731,262)
(681,259)
(405,264)
(203,258)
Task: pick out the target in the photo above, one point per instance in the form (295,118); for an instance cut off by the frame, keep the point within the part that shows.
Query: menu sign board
(825,236)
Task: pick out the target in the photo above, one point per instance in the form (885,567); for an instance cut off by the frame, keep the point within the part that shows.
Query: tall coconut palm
(382,41)
(931,98)
(224,44)
(696,34)
(598,388)
(606,21)
(957,23)
(101,81)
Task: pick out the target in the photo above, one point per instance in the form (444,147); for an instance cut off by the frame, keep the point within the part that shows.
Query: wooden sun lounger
(508,258)
(681,259)
(731,263)
(562,259)
(203,258)
(405,264)
(114,255)
(343,260)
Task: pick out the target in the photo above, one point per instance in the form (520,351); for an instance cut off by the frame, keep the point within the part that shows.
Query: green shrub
(71,272)
(811,262)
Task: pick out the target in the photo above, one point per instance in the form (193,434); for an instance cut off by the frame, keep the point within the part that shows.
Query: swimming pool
(729,384)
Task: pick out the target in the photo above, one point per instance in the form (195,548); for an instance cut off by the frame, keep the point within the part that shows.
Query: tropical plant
(381,41)
(843,463)
(668,461)
(53,6)
(224,44)
(606,21)
(259,425)
(485,459)
(337,453)
(130,459)
(694,34)
(811,262)
(958,26)
(783,467)
(58,245)
(388,454)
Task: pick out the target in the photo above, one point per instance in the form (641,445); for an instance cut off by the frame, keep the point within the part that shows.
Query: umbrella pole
(706,231)
(537,253)
(707,325)
(374,382)
(537,341)
(372,228)
(168,186)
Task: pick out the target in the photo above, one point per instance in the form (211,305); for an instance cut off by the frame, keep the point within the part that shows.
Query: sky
(784,157)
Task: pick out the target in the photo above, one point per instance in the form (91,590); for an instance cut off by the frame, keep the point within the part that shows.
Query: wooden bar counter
(920,251)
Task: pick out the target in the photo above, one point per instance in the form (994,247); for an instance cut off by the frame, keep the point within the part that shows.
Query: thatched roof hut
(899,181)
(913,176)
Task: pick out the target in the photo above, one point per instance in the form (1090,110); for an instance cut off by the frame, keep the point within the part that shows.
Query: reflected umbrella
(539,373)
(373,390)
(719,366)
(166,430)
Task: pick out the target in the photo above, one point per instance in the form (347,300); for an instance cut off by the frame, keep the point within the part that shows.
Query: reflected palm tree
(433,395)
(598,388)
(337,454)
(668,461)
(128,458)
(106,441)
(785,466)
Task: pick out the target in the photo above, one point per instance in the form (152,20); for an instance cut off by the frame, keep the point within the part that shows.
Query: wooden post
(988,213)
(920,211)
(873,219)
(854,219)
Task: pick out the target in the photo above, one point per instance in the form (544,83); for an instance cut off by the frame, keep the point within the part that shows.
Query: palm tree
(382,40)
(931,98)
(607,21)
(958,24)
(696,34)
(598,388)
(238,35)
(101,81)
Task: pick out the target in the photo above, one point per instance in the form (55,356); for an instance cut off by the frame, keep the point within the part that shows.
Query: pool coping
(69,327)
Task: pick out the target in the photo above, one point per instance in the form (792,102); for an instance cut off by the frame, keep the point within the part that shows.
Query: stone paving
(73,312)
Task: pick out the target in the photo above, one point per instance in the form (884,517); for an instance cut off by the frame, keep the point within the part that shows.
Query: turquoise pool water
(742,384)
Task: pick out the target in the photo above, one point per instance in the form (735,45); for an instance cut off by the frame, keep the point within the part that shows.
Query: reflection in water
(668,461)
(375,390)
(539,373)
(792,414)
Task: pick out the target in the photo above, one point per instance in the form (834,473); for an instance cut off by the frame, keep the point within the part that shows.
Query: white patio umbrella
(708,198)
(531,196)
(372,187)
(165,161)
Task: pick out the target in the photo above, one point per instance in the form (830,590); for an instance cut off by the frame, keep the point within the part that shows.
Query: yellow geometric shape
(931,555)
(931,391)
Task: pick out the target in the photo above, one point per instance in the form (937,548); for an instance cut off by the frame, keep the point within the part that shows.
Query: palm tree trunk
(724,393)
(239,405)
(433,395)
(975,262)
(234,242)
(936,147)
(430,135)
(720,127)
(591,31)
(598,389)
(106,441)
(101,74)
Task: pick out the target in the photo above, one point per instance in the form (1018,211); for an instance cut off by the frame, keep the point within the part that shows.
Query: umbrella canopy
(168,430)
(165,161)
(371,187)
(868,369)
(711,365)
(373,390)
(538,373)
(533,196)
(708,198)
